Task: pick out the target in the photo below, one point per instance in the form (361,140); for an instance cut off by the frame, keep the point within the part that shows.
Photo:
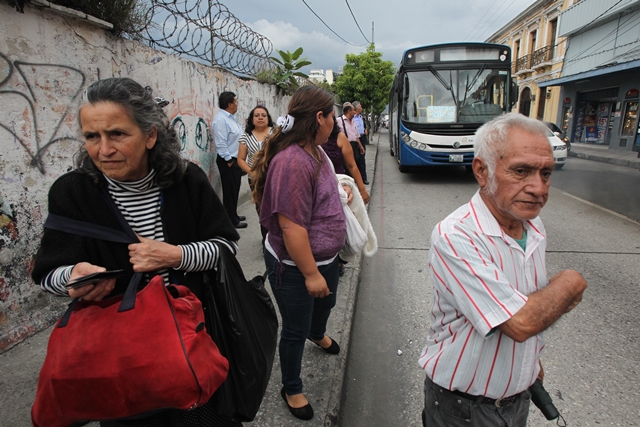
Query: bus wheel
(391,152)
(403,168)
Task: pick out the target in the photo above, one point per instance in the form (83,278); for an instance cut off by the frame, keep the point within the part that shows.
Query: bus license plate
(457,158)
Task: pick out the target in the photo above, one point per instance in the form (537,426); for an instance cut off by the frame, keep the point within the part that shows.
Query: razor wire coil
(207,31)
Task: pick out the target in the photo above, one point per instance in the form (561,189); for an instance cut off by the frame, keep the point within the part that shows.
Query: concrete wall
(46,60)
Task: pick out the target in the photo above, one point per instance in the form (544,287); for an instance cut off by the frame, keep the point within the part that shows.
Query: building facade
(538,52)
(321,75)
(599,85)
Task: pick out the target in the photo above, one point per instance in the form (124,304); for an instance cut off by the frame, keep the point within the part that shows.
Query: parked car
(560,150)
(558,132)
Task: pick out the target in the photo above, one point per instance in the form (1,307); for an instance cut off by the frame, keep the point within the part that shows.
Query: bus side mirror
(513,94)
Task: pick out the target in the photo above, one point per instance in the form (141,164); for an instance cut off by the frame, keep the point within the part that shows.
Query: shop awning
(589,74)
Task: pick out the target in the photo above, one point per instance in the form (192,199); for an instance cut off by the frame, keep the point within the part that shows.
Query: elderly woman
(300,206)
(131,150)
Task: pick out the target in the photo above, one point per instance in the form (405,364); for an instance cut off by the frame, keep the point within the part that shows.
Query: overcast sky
(399,24)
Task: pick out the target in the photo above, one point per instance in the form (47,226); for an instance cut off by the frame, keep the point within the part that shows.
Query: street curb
(336,398)
(603,159)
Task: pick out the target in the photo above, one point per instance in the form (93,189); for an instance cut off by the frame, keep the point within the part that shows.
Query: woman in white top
(259,125)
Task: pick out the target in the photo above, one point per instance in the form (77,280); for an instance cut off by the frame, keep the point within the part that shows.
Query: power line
(330,29)
(480,20)
(584,27)
(633,25)
(356,21)
(486,22)
(498,17)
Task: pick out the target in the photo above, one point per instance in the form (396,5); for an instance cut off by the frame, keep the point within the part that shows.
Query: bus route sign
(438,114)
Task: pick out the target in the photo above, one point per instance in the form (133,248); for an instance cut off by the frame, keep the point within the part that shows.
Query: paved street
(610,186)
(591,358)
(592,355)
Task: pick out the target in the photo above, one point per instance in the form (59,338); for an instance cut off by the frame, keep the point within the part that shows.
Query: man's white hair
(356,104)
(491,139)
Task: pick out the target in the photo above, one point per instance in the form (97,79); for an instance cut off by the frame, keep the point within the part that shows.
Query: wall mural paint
(44,68)
(36,88)
(191,118)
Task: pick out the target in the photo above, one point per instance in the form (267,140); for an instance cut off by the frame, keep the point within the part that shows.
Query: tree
(329,87)
(368,79)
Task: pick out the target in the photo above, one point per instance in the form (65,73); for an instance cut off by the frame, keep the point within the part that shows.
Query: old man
(492,299)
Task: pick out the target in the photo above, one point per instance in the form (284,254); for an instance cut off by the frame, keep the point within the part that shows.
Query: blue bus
(441,94)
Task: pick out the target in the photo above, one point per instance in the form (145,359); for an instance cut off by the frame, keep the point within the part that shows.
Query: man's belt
(498,403)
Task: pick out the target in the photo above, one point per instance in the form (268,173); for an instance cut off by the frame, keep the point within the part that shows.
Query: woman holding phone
(131,150)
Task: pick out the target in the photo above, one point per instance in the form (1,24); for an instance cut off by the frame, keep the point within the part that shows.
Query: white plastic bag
(356,238)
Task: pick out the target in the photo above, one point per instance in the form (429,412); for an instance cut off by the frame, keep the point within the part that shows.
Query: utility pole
(372,34)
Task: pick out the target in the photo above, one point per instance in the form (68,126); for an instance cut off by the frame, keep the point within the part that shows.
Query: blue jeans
(303,316)
(445,409)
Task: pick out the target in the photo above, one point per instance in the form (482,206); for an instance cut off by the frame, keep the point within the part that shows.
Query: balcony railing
(543,55)
(523,63)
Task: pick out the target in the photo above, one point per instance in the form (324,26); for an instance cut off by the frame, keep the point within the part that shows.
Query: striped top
(253,145)
(481,277)
(140,202)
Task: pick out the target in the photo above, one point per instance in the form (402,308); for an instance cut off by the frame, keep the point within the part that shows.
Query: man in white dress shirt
(492,299)
(226,134)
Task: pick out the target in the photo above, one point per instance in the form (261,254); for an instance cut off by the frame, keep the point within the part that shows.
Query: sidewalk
(322,374)
(600,153)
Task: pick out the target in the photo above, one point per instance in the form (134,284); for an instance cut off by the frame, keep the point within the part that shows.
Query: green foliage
(368,79)
(127,16)
(267,76)
(328,87)
(284,75)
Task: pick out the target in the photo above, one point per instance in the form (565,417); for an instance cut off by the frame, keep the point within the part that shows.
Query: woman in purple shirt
(300,206)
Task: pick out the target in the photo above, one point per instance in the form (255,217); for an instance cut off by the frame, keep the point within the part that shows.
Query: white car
(560,152)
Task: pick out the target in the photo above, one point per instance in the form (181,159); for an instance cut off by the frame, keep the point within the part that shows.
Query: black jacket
(191,212)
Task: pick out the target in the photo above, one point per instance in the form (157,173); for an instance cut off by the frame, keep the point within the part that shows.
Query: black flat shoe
(304,413)
(334,348)
(242,218)
(240,225)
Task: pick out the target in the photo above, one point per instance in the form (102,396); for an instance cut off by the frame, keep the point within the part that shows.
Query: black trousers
(230,177)
(360,161)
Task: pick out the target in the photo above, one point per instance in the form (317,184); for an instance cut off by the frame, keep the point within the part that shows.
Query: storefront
(593,116)
(600,106)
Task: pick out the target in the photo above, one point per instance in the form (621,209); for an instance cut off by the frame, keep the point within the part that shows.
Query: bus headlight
(406,138)
(423,147)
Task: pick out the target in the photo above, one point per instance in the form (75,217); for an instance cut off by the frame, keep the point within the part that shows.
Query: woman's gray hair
(491,139)
(144,110)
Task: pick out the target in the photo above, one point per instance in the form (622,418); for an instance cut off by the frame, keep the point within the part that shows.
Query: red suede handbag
(126,356)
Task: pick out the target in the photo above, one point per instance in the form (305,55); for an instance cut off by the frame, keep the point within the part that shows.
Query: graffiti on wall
(29,91)
(190,117)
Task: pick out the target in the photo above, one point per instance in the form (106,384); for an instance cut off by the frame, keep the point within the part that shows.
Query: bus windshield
(470,95)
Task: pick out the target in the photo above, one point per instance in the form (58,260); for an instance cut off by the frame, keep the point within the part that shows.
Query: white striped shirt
(140,202)
(481,278)
(253,145)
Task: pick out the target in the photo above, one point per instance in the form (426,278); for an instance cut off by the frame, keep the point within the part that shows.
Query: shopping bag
(243,322)
(105,362)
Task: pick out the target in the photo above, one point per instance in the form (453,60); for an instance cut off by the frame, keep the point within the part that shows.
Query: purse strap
(344,127)
(87,229)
